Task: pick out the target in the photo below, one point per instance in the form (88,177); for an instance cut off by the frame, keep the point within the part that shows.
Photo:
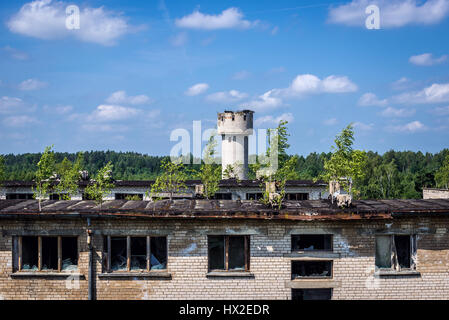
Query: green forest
(392,175)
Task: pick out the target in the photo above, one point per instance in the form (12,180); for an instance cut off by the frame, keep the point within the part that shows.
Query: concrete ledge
(312,284)
(230,274)
(393,273)
(43,274)
(136,275)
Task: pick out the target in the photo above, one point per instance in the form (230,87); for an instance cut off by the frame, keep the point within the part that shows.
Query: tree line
(392,175)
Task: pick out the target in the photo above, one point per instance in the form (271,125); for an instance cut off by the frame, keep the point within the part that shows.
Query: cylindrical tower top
(235,123)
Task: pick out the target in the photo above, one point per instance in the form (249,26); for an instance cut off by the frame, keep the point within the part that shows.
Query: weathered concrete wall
(435,194)
(270,245)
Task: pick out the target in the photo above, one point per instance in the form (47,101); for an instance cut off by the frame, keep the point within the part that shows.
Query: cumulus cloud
(226,96)
(32,84)
(370,99)
(393,13)
(427,59)
(397,113)
(10,105)
(363,126)
(231,18)
(19,121)
(197,89)
(305,84)
(441,111)
(410,127)
(120,97)
(264,102)
(401,84)
(106,113)
(437,92)
(330,122)
(46,19)
(270,120)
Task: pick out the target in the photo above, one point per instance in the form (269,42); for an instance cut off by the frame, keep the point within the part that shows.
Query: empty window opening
(29,253)
(129,196)
(228,253)
(222,196)
(396,252)
(309,242)
(311,294)
(19,196)
(158,258)
(118,253)
(55,196)
(297,196)
(311,269)
(254,196)
(134,253)
(36,253)
(49,253)
(69,253)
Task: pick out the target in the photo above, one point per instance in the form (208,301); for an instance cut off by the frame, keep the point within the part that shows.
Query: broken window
(309,242)
(297,196)
(311,269)
(55,196)
(228,253)
(311,294)
(396,252)
(222,196)
(134,253)
(129,196)
(36,253)
(254,196)
(21,196)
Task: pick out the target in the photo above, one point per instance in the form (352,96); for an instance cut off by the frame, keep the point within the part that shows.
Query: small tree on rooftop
(346,165)
(69,174)
(210,172)
(442,175)
(172,180)
(45,175)
(102,184)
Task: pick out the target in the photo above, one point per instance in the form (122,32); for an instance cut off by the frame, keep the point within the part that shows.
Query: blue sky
(136,70)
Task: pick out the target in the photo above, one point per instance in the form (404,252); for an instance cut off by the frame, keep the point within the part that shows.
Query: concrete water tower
(235,128)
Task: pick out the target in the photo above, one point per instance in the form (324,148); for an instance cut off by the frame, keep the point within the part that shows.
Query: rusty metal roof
(219,209)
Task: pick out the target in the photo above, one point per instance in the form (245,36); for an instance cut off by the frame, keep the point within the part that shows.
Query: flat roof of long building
(226,209)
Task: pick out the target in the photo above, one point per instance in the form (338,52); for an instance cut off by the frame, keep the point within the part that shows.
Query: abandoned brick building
(224,249)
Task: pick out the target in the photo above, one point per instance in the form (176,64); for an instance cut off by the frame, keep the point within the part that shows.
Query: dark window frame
(394,262)
(107,248)
(331,269)
(247,253)
(19,253)
(331,242)
(306,292)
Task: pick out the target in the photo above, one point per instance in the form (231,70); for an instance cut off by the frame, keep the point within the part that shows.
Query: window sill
(312,283)
(313,255)
(230,274)
(138,275)
(44,274)
(394,273)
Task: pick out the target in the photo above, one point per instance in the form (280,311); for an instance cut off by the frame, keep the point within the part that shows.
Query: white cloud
(15,54)
(11,105)
(397,113)
(58,109)
(363,126)
(46,19)
(401,84)
(120,97)
(226,96)
(393,13)
(270,120)
(106,113)
(32,84)
(427,59)
(263,102)
(437,92)
(19,121)
(229,19)
(330,122)
(305,84)
(410,127)
(197,89)
(370,99)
